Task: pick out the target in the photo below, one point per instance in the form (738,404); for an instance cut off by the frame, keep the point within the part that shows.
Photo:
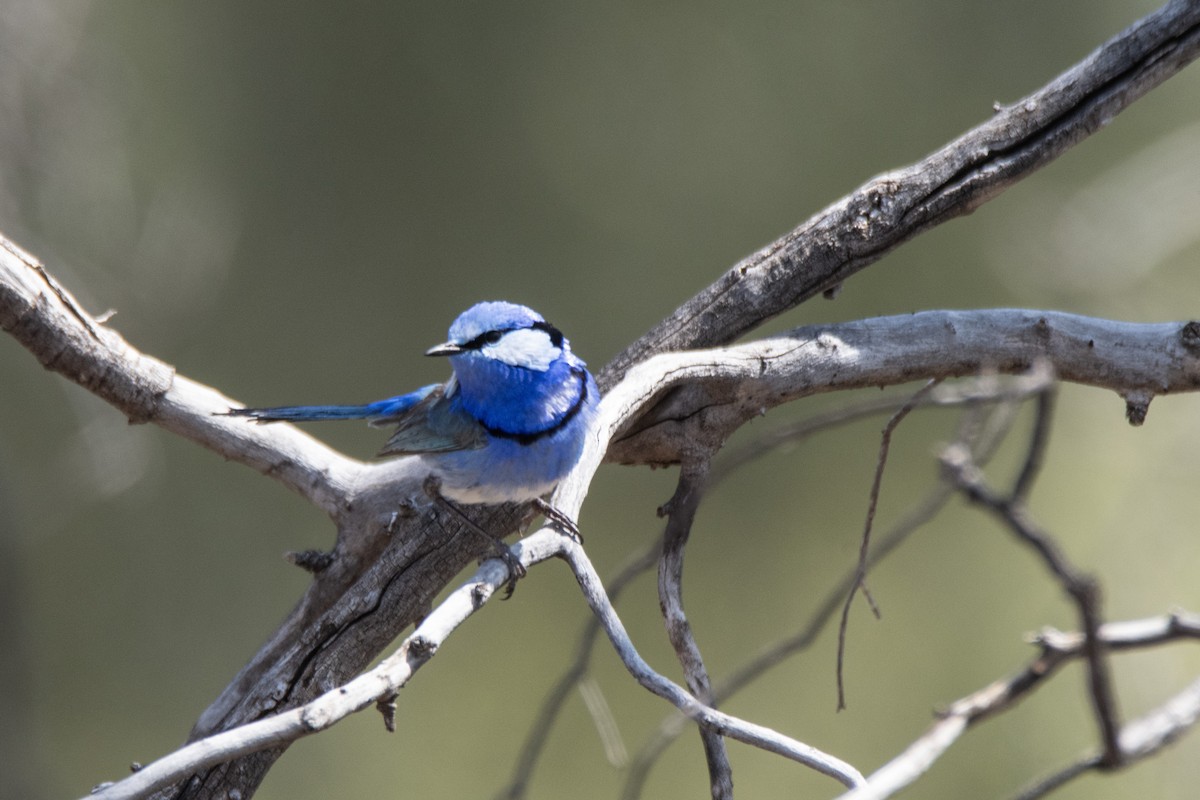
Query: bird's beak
(445,349)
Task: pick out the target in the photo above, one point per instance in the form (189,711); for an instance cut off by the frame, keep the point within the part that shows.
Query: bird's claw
(516,570)
(558,519)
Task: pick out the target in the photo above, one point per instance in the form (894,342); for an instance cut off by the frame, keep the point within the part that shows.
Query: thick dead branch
(393,555)
(739,383)
(379,686)
(888,210)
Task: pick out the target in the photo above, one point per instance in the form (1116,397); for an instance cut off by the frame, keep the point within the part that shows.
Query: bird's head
(513,371)
(510,334)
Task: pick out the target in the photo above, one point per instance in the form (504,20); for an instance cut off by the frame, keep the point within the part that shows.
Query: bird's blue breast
(520,401)
(521,467)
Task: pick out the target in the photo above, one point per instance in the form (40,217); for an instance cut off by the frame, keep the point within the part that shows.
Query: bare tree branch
(982,440)
(1083,589)
(1151,733)
(681,513)
(708,717)
(48,321)
(1134,360)
(737,383)
(394,554)
(382,683)
(890,209)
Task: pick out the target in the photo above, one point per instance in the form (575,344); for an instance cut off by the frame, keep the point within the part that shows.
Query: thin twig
(860,573)
(1082,589)
(984,439)
(746,732)
(1039,440)
(1056,649)
(681,513)
(539,731)
(1139,739)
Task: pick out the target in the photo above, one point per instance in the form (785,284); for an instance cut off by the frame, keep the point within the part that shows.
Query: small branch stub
(387,708)
(314,561)
(1189,336)
(1137,405)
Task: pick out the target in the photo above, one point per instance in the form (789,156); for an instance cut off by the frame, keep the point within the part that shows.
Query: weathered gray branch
(735,383)
(981,433)
(391,558)
(888,210)
(681,514)
(1138,740)
(1137,361)
(49,322)
(382,683)
(809,360)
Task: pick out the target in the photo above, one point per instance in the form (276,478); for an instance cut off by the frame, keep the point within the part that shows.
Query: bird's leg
(516,570)
(558,519)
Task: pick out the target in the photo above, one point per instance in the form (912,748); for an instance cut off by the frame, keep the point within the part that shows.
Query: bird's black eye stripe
(487,337)
(491,337)
(556,337)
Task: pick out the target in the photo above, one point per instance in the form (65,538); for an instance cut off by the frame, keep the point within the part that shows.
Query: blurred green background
(291,202)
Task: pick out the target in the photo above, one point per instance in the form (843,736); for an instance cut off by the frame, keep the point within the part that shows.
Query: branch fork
(666,401)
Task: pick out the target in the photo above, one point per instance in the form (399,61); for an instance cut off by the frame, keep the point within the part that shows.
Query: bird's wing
(432,424)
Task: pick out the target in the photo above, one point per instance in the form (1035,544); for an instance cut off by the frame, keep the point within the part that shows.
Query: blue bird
(506,427)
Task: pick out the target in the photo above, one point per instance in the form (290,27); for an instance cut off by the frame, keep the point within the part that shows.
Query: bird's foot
(558,519)
(516,570)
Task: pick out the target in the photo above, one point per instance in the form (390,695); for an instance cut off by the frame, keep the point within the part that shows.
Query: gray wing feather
(433,425)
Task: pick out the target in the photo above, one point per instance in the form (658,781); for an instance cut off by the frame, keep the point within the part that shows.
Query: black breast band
(530,438)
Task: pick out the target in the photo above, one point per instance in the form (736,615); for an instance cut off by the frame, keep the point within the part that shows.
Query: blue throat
(530,437)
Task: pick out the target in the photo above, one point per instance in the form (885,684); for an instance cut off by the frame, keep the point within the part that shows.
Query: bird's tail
(305,413)
(378,412)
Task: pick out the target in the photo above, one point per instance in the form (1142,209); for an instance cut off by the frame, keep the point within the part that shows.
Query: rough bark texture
(391,559)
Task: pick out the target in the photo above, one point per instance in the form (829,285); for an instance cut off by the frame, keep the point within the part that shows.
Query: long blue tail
(303,413)
(379,410)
